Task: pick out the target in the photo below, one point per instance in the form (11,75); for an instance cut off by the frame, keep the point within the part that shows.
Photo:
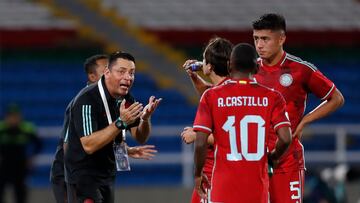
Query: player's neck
(216,79)
(274,59)
(240,75)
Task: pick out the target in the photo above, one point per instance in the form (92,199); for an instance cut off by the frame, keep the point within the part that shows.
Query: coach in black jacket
(98,118)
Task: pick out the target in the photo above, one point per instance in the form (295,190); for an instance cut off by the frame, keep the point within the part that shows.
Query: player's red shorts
(287,187)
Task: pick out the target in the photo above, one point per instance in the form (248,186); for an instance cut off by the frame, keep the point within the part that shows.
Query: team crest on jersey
(286,80)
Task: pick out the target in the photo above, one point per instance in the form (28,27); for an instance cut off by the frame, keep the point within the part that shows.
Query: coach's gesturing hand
(150,108)
(130,114)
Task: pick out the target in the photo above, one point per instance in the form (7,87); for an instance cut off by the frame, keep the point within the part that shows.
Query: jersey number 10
(229,127)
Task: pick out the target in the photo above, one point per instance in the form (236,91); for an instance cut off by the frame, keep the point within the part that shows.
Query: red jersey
(209,162)
(294,79)
(240,114)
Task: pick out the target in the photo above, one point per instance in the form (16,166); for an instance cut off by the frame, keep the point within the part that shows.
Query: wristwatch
(120,124)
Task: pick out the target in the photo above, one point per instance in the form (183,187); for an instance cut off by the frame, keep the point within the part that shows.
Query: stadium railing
(341,150)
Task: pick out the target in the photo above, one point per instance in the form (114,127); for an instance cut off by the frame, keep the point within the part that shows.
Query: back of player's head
(217,53)
(270,21)
(120,55)
(90,64)
(244,58)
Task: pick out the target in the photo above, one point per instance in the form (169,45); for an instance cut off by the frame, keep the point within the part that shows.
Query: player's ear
(211,67)
(92,77)
(106,71)
(282,38)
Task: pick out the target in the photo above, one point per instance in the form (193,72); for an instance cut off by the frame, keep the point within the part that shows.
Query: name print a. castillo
(243,101)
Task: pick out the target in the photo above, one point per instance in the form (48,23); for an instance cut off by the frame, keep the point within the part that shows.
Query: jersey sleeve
(279,116)
(319,84)
(65,129)
(203,120)
(85,116)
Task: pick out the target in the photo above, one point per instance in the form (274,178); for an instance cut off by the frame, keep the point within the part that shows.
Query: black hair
(270,21)
(119,54)
(90,64)
(244,58)
(217,53)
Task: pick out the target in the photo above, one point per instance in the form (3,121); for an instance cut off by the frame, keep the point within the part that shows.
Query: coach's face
(120,77)
(268,43)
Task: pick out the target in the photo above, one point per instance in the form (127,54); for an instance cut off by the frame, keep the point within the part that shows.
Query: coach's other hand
(150,108)
(146,152)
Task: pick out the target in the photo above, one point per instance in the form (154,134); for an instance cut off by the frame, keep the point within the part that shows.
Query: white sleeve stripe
(281,123)
(332,87)
(66,135)
(202,127)
(89,117)
(83,117)
(86,114)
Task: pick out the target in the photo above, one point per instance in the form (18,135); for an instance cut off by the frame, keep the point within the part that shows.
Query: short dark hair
(244,58)
(119,54)
(217,53)
(90,64)
(270,21)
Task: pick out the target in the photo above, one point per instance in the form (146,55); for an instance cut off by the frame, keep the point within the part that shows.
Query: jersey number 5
(229,127)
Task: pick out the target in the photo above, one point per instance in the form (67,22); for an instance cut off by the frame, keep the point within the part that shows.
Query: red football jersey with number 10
(294,79)
(240,114)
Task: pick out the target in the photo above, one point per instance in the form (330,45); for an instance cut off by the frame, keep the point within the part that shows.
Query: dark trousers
(59,191)
(87,192)
(17,181)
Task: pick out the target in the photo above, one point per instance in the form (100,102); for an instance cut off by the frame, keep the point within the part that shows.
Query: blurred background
(43,44)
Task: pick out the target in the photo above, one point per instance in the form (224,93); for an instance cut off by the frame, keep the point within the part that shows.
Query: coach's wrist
(120,124)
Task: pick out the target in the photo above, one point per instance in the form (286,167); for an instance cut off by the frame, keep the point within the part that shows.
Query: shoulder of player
(210,91)
(268,90)
(88,95)
(221,86)
(296,62)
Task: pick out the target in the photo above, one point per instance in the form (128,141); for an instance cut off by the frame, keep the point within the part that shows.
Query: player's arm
(333,100)
(281,125)
(198,82)
(142,131)
(199,160)
(282,144)
(188,135)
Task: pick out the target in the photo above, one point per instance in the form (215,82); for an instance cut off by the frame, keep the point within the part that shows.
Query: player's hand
(150,107)
(201,186)
(130,114)
(188,135)
(188,70)
(299,131)
(146,152)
